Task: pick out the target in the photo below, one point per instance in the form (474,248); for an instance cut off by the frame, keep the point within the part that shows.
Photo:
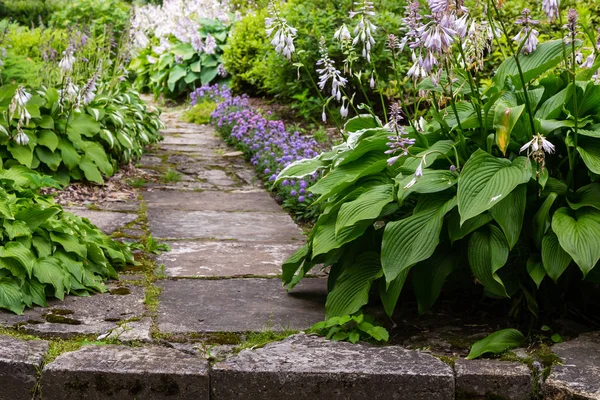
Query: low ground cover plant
(493,178)
(266,142)
(45,251)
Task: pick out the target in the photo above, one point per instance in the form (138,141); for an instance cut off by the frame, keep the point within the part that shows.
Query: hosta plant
(45,251)
(498,181)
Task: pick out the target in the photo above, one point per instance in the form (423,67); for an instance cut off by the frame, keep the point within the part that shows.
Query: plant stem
(474,89)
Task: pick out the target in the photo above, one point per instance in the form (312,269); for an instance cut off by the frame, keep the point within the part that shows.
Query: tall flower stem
(474,89)
(402,101)
(461,136)
(518,63)
(324,102)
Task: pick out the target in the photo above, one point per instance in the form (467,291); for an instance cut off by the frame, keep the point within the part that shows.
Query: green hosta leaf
(432,181)
(48,139)
(83,124)
(367,206)
(488,252)
(352,287)
(42,246)
(541,219)
(69,155)
(97,154)
(301,168)
(413,239)
(18,252)
(74,267)
(34,293)
(11,297)
(579,235)
(294,262)
(341,177)
(496,343)
(429,277)
(16,229)
(90,170)
(552,108)
(589,149)
(325,237)
(23,154)
(5,209)
(505,119)
(554,259)
(587,196)
(36,215)
(456,231)
(390,292)
(437,150)
(51,159)
(486,180)
(535,269)
(509,214)
(547,55)
(178,72)
(49,270)
(208,74)
(69,243)
(125,140)
(360,122)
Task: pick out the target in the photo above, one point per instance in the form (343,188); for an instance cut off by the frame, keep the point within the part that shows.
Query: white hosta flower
(538,142)
(344,109)
(372,81)
(22,96)
(342,34)
(210,44)
(363,32)
(22,139)
(283,34)
(589,61)
(328,72)
(551,8)
(67,62)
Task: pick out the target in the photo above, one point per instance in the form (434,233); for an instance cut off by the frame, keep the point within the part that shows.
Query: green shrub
(45,251)
(96,14)
(71,143)
(246,53)
(29,12)
(200,113)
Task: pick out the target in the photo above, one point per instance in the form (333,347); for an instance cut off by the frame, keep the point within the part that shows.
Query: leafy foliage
(98,15)
(46,251)
(85,144)
(497,342)
(352,328)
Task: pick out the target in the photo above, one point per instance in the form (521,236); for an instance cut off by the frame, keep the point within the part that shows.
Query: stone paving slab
(117,372)
(107,221)
(201,150)
(579,375)
(211,200)
(225,259)
(20,362)
(192,139)
(306,367)
(75,316)
(243,226)
(239,305)
(483,379)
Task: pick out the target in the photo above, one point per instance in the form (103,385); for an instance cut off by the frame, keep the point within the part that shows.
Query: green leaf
(488,252)
(97,154)
(541,219)
(485,180)
(389,293)
(432,181)
(69,155)
(11,297)
(587,196)
(547,55)
(18,252)
(34,293)
(456,231)
(589,149)
(208,74)
(496,343)
(554,259)
(579,235)
(413,239)
(295,261)
(82,124)
(505,119)
(90,170)
(51,159)
(535,269)
(429,277)
(69,243)
(48,139)
(23,154)
(16,229)
(360,122)
(300,169)
(437,150)
(552,108)
(49,270)
(178,72)
(367,206)
(36,215)
(509,214)
(352,287)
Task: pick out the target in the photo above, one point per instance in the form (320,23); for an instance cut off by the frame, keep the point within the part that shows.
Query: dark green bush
(94,13)
(29,12)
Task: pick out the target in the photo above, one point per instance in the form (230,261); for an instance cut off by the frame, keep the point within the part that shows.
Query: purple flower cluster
(266,142)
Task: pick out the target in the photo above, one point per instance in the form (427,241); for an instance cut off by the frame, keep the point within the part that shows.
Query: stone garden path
(220,281)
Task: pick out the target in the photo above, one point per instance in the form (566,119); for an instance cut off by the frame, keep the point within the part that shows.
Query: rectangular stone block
(239,305)
(482,379)
(211,200)
(124,373)
(306,367)
(20,363)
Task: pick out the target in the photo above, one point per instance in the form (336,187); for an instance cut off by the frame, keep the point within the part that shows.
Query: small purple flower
(294,193)
(301,199)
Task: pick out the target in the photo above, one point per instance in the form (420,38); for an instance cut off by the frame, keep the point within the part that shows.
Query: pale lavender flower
(399,143)
(589,61)
(372,81)
(363,32)
(342,34)
(438,6)
(221,71)
(67,62)
(572,22)
(527,38)
(412,22)
(551,8)
(538,142)
(329,72)
(283,34)
(22,139)
(344,109)
(438,34)
(210,44)
(197,43)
